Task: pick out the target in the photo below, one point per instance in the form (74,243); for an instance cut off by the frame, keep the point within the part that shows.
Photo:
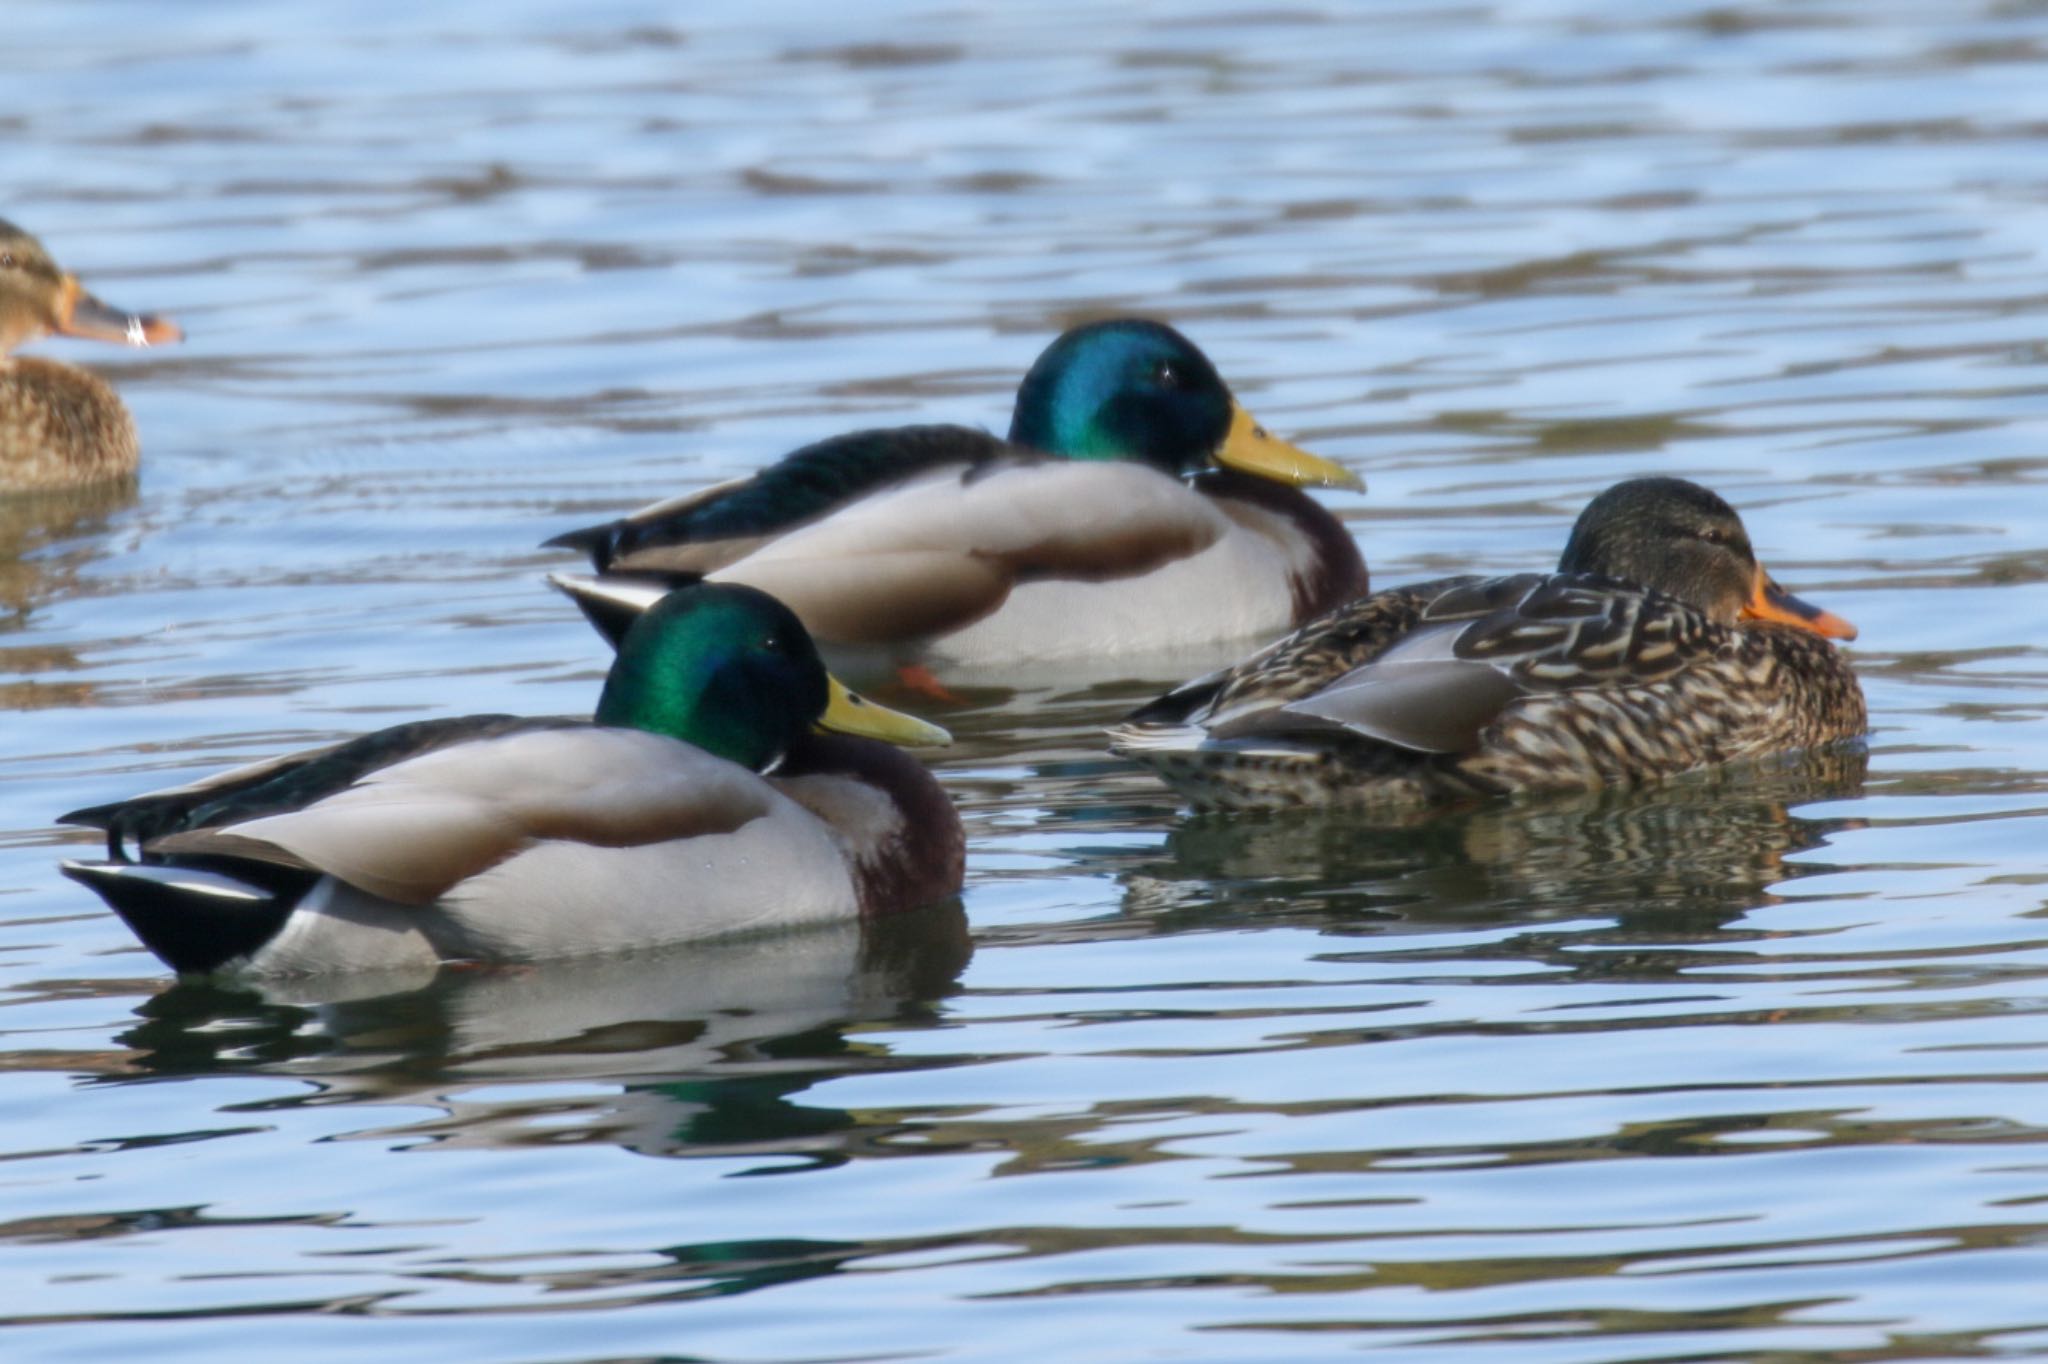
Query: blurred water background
(1731,1071)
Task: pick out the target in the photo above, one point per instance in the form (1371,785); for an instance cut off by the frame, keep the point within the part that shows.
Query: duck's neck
(1332,572)
(905,836)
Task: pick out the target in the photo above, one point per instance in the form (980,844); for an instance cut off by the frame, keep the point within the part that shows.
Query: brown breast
(60,427)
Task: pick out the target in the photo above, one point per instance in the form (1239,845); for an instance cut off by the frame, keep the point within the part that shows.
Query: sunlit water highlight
(1739,1069)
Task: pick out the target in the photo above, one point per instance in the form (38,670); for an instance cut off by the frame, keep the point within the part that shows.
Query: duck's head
(38,298)
(1139,390)
(1684,541)
(732,670)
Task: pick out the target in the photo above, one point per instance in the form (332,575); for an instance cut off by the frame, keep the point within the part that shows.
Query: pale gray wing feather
(1418,695)
(939,552)
(412,831)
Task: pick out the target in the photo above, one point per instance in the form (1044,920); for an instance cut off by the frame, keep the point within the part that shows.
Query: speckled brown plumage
(60,427)
(1478,686)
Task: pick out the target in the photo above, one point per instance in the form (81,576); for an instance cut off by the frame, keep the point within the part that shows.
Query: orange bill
(80,314)
(1768,601)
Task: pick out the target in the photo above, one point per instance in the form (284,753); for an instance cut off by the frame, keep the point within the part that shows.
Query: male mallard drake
(699,802)
(1659,645)
(59,426)
(1135,507)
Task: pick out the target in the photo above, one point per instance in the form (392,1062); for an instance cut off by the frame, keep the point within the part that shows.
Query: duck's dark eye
(1167,375)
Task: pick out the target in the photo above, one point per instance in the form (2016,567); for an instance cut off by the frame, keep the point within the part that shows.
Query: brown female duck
(1659,646)
(60,426)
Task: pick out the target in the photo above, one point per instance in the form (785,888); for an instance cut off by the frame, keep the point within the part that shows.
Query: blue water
(1723,1072)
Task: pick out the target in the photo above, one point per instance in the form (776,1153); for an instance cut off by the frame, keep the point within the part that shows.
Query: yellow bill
(1251,449)
(848,712)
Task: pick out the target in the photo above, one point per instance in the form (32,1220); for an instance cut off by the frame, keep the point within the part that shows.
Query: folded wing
(413,831)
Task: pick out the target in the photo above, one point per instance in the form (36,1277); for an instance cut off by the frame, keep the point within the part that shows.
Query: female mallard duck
(59,426)
(1659,646)
(698,803)
(1135,507)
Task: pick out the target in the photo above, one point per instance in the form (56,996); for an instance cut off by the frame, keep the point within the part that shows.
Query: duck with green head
(1136,507)
(1659,646)
(702,800)
(60,427)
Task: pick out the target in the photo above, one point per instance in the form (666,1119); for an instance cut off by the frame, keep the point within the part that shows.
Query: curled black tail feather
(599,542)
(194,919)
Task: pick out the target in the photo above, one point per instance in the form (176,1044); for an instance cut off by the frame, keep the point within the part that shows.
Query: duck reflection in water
(707,1047)
(48,542)
(1675,862)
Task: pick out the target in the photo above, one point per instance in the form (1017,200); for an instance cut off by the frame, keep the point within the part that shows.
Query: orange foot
(919,679)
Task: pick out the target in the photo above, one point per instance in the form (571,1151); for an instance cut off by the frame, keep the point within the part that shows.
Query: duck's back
(703,531)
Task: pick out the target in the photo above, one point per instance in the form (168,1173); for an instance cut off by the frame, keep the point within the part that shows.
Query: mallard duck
(699,802)
(1659,646)
(1135,507)
(60,426)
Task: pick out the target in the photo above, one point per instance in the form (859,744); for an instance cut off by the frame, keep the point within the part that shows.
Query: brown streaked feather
(61,426)
(1299,664)
(1537,682)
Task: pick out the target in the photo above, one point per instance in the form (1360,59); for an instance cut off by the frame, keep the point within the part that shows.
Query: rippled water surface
(1734,1070)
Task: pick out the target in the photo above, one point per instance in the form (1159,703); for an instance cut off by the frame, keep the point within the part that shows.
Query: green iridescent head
(1124,389)
(732,671)
(1133,389)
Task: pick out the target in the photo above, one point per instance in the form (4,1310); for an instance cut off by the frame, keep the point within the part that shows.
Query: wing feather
(702,531)
(943,551)
(1430,673)
(1419,695)
(414,831)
